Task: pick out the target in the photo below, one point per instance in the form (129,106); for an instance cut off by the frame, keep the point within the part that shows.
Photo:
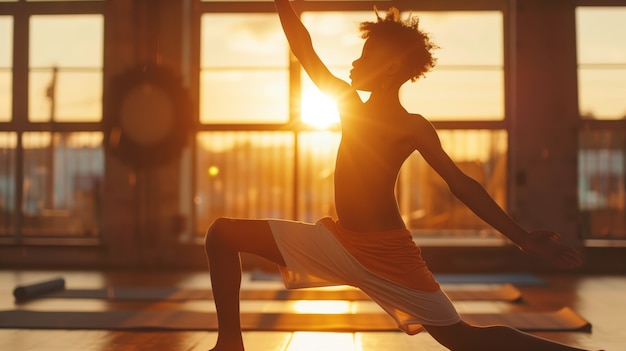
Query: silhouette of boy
(368,245)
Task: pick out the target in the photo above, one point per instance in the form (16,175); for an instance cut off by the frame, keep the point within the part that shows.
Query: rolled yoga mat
(32,291)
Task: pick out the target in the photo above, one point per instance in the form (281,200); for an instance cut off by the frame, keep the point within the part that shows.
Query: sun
(317,109)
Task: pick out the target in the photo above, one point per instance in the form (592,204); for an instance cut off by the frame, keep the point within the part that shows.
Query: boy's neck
(387,98)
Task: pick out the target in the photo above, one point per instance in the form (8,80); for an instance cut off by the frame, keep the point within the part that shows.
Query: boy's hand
(546,245)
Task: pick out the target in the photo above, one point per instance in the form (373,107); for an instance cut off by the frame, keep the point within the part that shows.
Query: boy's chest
(378,139)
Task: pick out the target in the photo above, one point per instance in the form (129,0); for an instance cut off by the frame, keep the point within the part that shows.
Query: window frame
(21,11)
(587,128)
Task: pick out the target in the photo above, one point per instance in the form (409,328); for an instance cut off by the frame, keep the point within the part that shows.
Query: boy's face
(372,69)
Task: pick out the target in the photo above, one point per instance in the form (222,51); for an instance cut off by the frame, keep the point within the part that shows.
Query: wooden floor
(599,299)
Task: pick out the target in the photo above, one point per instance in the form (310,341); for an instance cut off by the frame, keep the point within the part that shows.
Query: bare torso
(371,152)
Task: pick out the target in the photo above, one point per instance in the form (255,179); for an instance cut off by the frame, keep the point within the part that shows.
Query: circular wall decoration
(148,119)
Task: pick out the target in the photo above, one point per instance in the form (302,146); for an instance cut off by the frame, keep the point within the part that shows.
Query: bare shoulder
(423,132)
(419,121)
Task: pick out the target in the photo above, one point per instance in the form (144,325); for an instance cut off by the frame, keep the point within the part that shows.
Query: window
(246,80)
(425,200)
(8,144)
(62,183)
(65,80)
(51,153)
(244,69)
(601,62)
(467,84)
(6,60)
(601,40)
(243,174)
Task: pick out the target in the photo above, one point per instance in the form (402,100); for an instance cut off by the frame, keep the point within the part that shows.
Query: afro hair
(404,36)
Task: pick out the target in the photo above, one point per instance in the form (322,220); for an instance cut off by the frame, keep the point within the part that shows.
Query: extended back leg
(465,337)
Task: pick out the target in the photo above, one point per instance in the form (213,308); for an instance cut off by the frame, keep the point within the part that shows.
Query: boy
(368,246)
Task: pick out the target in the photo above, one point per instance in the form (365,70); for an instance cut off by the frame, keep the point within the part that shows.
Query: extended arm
(543,244)
(302,47)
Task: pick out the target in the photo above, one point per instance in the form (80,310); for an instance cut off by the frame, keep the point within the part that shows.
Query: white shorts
(314,257)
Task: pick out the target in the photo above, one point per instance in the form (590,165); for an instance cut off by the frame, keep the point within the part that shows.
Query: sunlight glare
(318,110)
(304,341)
(327,306)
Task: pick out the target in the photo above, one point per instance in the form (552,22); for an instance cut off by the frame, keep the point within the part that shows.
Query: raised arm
(302,47)
(543,244)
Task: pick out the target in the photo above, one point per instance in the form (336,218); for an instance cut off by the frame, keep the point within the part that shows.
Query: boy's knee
(215,233)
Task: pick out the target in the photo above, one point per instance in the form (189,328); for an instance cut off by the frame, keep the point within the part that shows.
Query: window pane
(72,96)
(8,144)
(66,41)
(244,96)
(6,60)
(601,35)
(425,200)
(602,93)
(244,76)
(316,168)
(65,81)
(602,189)
(601,39)
(468,81)
(456,95)
(466,38)
(63,175)
(244,175)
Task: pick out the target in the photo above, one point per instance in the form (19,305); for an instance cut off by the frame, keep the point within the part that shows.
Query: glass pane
(65,81)
(244,76)
(456,95)
(602,93)
(426,202)
(316,168)
(601,39)
(66,41)
(242,40)
(65,96)
(6,62)
(601,35)
(244,96)
(467,83)
(465,38)
(6,41)
(63,175)
(8,144)
(601,183)
(5,95)
(243,175)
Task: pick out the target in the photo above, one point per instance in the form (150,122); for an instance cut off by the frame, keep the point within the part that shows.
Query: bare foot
(228,346)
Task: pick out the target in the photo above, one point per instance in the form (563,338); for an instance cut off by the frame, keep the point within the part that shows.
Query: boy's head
(403,40)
